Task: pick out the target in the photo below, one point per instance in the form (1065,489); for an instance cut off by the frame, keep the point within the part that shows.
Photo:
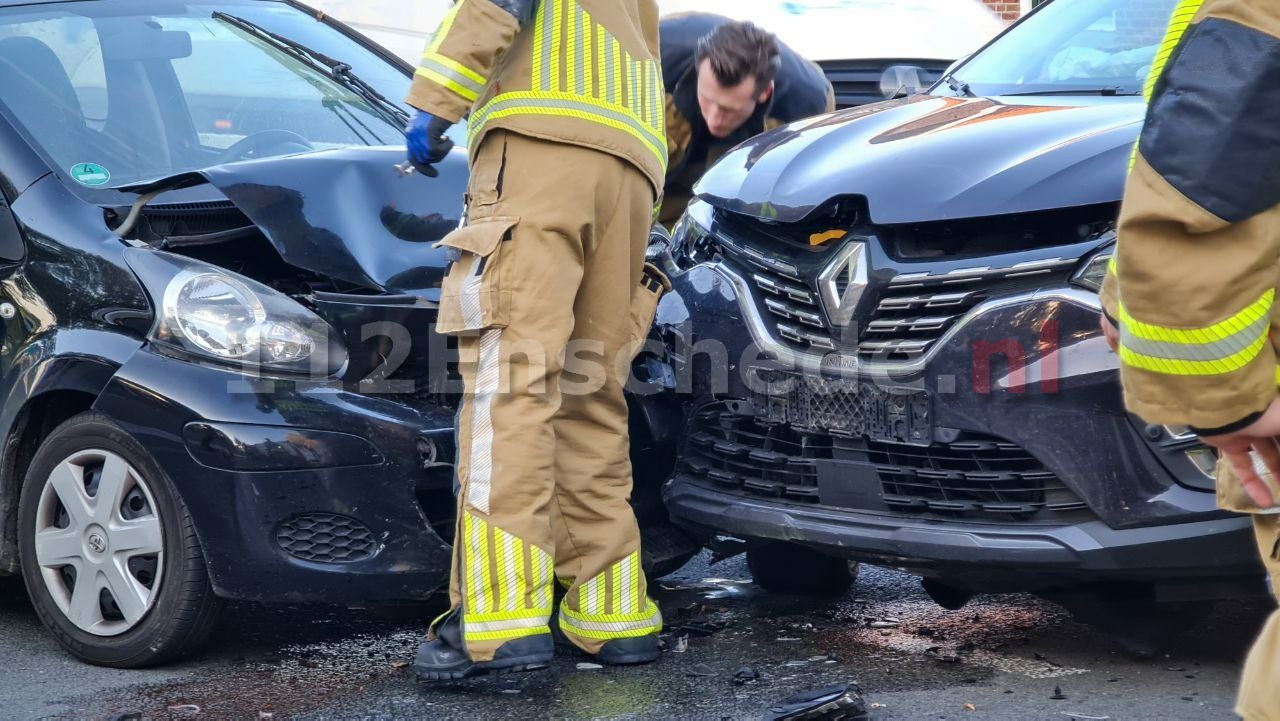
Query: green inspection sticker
(90,174)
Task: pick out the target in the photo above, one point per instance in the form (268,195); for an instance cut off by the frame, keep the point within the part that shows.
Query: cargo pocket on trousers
(473,297)
(644,301)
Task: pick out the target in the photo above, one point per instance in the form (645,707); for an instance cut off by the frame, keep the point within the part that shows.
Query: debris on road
(185,708)
(701,669)
(1057,694)
(589,666)
(843,702)
(1084,717)
(746,674)
(970,707)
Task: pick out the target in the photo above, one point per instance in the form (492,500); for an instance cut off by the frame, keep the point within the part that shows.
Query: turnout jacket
(584,72)
(1192,284)
(801,90)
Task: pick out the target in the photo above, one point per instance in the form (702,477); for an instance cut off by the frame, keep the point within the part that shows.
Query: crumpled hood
(347,214)
(932,158)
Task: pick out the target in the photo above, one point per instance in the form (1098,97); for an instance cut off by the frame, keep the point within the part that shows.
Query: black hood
(346,214)
(931,158)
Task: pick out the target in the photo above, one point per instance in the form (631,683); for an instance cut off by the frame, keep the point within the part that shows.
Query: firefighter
(1189,304)
(567,157)
(727,81)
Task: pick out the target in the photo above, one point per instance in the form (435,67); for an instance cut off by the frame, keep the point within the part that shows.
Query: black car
(889,319)
(217,292)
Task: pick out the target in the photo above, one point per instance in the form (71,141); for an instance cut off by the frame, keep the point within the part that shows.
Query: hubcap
(99,542)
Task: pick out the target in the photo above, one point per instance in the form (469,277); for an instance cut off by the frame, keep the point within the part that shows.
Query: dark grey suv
(888,317)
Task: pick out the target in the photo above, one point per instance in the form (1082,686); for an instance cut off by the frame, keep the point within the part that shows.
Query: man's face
(725,109)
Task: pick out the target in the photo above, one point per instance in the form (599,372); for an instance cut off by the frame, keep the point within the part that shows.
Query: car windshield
(1071,46)
(120,91)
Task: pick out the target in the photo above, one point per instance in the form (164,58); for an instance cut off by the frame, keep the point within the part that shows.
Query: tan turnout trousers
(1259,698)
(550,261)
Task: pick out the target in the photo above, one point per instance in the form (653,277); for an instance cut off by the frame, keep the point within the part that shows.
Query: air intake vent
(326,538)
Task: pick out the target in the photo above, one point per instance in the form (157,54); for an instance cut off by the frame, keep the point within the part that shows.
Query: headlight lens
(688,240)
(215,314)
(1094,270)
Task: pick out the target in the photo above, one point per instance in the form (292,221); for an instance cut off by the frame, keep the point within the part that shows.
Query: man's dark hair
(738,50)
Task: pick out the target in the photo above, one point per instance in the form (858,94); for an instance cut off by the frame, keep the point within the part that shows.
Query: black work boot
(445,658)
(617,652)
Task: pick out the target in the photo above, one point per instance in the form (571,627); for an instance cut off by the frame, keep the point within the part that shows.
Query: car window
(1073,44)
(74,42)
(132,90)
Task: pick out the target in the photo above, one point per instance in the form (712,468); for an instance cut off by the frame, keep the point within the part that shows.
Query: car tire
(151,600)
(788,568)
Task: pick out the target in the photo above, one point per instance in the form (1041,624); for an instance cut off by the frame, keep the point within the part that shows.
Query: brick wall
(1009,11)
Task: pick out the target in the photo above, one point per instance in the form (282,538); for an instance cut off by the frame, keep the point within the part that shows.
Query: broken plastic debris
(1084,717)
(745,674)
(832,702)
(397,665)
(185,708)
(589,666)
(970,707)
(701,669)
(787,638)
(682,645)
(886,623)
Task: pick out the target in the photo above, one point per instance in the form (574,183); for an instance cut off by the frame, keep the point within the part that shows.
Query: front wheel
(799,570)
(108,551)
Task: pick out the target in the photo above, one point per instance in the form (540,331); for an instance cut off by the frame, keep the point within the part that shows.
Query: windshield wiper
(1110,91)
(337,69)
(958,86)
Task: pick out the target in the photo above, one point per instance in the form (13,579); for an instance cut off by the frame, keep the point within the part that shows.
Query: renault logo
(842,284)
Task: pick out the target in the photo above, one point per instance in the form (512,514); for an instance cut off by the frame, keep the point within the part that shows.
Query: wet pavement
(1001,657)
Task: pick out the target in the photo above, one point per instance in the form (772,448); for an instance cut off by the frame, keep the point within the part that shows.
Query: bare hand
(1110,332)
(1259,437)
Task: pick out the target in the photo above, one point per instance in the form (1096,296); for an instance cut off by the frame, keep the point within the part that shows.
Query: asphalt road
(1006,657)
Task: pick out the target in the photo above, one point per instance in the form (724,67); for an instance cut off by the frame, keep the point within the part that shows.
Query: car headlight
(1094,269)
(692,231)
(212,313)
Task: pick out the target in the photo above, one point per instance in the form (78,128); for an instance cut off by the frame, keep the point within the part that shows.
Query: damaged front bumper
(989,468)
(296,494)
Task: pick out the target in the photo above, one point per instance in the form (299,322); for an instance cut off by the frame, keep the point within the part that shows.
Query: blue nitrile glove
(426,141)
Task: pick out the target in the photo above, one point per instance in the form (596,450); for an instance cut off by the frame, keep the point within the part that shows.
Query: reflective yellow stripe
(1179,21)
(464,92)
(602,69)
(1183,13)
(445,26)
(505,635)
(457,67)
(588,57)
(571,52)
(619,590)
(572,106)
(557,10)
(1171,366)
(522,615)
(544,570)
(609,626)
(1221,330)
